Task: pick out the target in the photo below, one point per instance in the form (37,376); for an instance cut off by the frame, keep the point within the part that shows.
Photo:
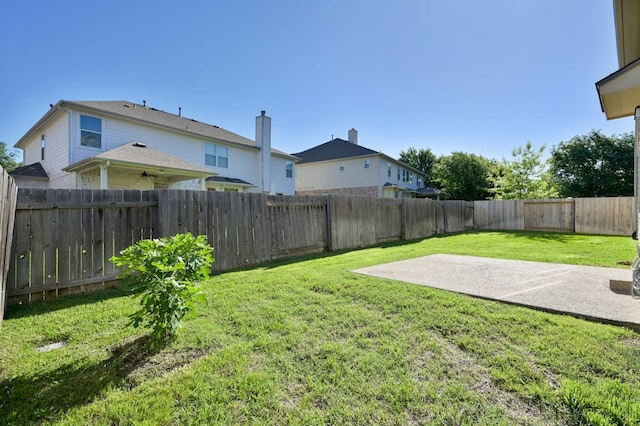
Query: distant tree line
(590,165)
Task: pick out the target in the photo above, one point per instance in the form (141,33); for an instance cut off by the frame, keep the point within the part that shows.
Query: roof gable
(333,150)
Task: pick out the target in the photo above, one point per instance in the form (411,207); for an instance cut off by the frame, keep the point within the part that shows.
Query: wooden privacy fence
(63,239)
(8,196)
(605,216)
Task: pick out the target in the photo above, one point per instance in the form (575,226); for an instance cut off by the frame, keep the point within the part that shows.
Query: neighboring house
(619,92)
(123,145)
(344,167)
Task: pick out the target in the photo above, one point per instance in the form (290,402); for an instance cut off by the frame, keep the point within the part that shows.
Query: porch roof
(140,156)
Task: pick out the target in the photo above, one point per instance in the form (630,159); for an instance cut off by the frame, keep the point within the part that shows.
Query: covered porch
(137,166)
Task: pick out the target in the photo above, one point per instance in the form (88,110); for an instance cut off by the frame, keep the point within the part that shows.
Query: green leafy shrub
(164,272)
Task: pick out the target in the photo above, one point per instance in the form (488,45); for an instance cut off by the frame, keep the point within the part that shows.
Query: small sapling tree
(164,272)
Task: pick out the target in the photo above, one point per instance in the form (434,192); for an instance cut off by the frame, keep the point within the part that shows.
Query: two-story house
(123,145)
(344,167)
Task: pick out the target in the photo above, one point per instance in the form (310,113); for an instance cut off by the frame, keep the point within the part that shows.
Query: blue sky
(478,77)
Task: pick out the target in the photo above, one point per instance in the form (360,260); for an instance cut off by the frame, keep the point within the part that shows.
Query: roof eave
(93,162)
(619,92)
(34,129)
(157,125)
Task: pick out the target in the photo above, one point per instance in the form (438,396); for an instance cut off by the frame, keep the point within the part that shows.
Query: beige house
(619,92)
(344,167)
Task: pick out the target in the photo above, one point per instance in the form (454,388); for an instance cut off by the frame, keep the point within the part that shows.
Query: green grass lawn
(307,342)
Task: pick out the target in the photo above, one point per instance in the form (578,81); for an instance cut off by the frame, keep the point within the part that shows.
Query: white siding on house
(280,183)
(243,162)
(326,175)
(56,135)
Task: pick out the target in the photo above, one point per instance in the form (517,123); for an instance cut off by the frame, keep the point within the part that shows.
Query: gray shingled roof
(165,119)
(333,150)
(137,154)
(224,179)
(34,171)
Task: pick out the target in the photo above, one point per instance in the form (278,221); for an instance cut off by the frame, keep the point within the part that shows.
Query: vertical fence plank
(389,220)
(8,198)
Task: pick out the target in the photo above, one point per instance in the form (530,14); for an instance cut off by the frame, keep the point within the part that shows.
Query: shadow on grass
(560,237)
(47,396)
(64,302)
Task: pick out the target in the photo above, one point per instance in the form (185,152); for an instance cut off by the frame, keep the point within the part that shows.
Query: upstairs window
(42,146)
(388,169)
(398,173)
(342,166)
(367,163)
(216,155)
(289,169)
(90,131)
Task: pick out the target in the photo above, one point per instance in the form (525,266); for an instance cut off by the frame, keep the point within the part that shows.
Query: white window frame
(342,166)
(288,169)
(101,133)
(43,144)
(216,155)
(367,163)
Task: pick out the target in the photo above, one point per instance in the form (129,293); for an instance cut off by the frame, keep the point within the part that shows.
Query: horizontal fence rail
(63,239)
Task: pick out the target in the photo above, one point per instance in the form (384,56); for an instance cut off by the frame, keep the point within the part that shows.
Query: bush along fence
(63,239)
(8,197)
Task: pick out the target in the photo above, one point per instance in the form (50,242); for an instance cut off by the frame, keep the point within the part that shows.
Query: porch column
(104,178)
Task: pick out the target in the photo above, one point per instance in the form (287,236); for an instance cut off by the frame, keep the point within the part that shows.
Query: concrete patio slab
(581,291)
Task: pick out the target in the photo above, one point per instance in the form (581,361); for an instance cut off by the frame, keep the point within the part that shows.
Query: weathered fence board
(549,215)
(419,218)
(389,220)
(298,225)
(606,216)
(498,214)
(457,215)
(353,221)
(8,198)
(64,239)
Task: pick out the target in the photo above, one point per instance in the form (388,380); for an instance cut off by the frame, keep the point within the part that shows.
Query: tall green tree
(421,159)
(594,165)
(8,157)
(523,177)
(463,176)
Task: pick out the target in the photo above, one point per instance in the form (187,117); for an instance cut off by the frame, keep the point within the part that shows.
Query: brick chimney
(353,136)
(263,141)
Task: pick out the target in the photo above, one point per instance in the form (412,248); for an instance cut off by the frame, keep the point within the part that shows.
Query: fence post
(403,219)
(329,224)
